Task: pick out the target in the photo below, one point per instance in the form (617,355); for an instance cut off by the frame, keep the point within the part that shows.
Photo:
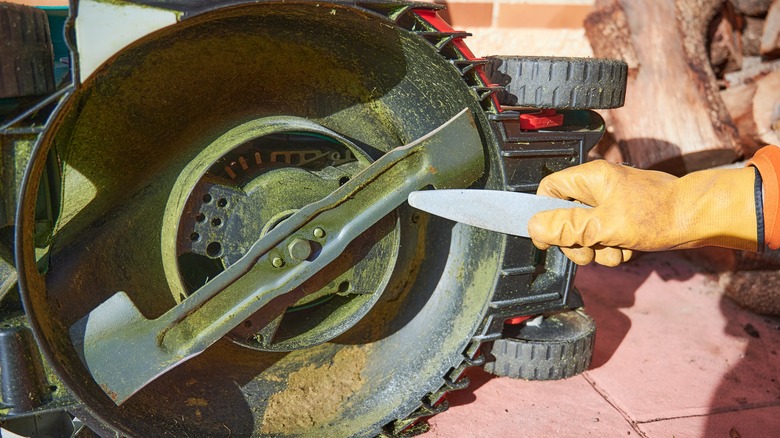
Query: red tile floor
(673,358)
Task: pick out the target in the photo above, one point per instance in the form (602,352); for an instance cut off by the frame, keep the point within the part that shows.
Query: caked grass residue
(315,395)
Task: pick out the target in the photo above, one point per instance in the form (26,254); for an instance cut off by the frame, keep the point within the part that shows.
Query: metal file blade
(495,210)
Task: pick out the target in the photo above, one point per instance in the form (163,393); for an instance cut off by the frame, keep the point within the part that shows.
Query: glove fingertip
(538,227)
(580,256)
(609,256)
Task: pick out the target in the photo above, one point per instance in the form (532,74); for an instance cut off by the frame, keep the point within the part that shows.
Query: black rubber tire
(26,50)
(559,83)
(559,348)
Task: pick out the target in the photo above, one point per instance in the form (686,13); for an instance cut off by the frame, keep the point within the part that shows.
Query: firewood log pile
(745,55)
(704,80)
(703,91)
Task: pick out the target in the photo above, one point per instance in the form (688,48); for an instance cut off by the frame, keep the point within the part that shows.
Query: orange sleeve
(767,161)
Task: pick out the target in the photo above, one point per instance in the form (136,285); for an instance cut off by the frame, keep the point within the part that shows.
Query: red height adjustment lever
(517,320)
(546,118)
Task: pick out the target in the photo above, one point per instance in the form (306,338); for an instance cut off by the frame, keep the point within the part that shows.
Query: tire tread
(26,49)
(559,83)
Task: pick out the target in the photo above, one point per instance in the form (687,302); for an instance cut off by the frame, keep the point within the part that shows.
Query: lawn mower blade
(124,351)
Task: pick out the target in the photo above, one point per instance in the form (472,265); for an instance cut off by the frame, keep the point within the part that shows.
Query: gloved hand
(645,210)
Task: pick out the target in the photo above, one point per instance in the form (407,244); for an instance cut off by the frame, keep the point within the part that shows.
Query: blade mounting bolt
(300,249)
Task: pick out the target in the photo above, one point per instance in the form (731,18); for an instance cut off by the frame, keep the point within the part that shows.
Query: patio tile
(503,407)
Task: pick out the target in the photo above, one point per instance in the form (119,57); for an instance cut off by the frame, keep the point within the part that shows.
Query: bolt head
(277,262)
(319,233)
(300,249)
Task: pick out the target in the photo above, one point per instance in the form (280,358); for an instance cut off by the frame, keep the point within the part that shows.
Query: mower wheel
(559,347)
(28,63)
(558,83)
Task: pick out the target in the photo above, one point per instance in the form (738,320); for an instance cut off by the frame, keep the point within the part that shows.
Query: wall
(503,27)
(522,27)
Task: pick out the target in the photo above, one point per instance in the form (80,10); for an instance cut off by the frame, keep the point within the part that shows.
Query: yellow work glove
(645,210)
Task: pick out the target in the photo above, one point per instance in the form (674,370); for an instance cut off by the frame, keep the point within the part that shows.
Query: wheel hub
(255,186)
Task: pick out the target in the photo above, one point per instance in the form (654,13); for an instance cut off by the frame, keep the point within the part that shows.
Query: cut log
(751,36)
(720,260)
(752,8)
(725,40)
(606,149)
(674,118)
(755,109)
(751,279)
(739,102)
(766,108)
(753,290)
(770,41)
(752,69)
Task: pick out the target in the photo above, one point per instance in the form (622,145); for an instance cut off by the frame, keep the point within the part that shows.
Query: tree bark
(674,118)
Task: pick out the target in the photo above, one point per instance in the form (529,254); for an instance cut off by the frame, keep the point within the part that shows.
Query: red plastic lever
(546,118)
(516,320)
